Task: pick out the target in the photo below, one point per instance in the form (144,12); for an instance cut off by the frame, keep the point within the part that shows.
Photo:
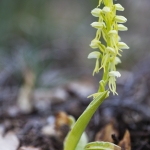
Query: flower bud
(120,19)
(119,38)
(117,60)
(106,9)
(112,32)
(122,45)
(94,54)
(97,25)
(96,12)
(110,49)
(121,27)
(95,44)
(119,7)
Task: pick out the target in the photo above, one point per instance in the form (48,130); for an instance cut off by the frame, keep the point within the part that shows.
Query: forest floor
(37,119)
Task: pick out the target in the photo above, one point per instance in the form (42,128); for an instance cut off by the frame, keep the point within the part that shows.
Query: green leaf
(101,146)
(80,125)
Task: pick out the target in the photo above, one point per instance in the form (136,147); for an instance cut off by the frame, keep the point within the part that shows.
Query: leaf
(105,134)
(125,143)
(77,130)
(82,142)
(62,124)
(101,146)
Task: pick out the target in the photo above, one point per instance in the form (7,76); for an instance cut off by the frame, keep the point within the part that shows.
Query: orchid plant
(107,57)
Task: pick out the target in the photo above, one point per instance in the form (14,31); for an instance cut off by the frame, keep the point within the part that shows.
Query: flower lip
(96,12)
(114,74)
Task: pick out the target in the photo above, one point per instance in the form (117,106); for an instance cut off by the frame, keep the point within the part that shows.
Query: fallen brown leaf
(62,124)
(125,143)
(105,134)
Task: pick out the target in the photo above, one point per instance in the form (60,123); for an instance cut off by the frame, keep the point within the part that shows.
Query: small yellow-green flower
(108,25)
(112,80)
(96,12)
(95,55)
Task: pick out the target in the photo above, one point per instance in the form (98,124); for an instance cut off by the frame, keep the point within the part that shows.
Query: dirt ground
(42,124)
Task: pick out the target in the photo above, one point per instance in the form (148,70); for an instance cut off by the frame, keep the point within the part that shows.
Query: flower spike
(107,26)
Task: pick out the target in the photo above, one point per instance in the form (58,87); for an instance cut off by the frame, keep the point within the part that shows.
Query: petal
(96,12)
(117,60)
(106,9)
(120,19)
(119,38)
(97,25)
(95,44)
(112,32)
(121,27)
(114,74)
(119,7)
(123,45)
(110,49)
(94,54)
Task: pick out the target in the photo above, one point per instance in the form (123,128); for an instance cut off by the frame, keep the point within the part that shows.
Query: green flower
(119,7)
(97,25)
(112,80)
(96,55)
(107,26)
(95,44)
(96,12)
(121,27)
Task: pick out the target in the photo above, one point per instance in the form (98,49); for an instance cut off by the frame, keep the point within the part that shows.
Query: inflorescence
(108,26)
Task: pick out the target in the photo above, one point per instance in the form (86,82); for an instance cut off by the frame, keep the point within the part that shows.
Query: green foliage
(101,146)
(80,125)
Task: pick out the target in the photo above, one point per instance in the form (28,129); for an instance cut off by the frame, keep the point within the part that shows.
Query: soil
(130,110)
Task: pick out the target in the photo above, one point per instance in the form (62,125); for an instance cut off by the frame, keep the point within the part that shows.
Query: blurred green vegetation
(52,37)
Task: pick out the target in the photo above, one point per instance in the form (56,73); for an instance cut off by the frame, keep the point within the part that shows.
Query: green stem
(80,125)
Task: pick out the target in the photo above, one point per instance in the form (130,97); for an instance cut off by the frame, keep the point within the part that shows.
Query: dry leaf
(105,134)
(61,119)
(101,146)
(125,143)
(62,124)
(9,142)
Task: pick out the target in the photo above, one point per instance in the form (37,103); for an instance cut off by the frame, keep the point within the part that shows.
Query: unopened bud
(120,19)
(96,12)
(119,7)
(97,25)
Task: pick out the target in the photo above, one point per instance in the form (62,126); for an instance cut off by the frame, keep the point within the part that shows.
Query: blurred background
(45,44)
(51,38)
(44,68)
